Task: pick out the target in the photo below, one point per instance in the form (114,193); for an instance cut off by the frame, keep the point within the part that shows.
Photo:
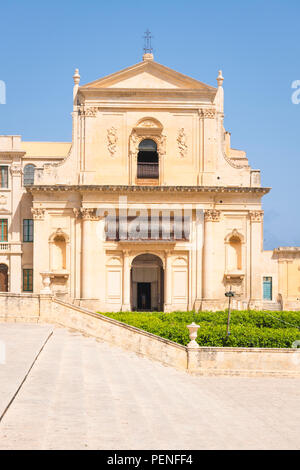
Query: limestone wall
(19,307)
(244,361)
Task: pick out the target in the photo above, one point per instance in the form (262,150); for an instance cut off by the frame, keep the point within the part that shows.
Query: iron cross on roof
(148,49)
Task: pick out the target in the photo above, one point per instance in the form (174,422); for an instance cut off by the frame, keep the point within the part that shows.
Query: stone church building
(148,208)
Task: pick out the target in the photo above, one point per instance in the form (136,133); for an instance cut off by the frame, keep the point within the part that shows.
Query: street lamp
(229,294)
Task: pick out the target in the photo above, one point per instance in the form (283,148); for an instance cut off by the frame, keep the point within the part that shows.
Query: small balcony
(146,170)
(4,247)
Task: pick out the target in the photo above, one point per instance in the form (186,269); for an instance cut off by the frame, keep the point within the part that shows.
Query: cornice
(130,92)
(145,189)
(287,249)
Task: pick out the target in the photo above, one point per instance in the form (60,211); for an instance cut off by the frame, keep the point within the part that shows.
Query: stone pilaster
(256,220)
(87,258)
(199,228)
(40,245)
(126,282)
(168,282)
(211,216)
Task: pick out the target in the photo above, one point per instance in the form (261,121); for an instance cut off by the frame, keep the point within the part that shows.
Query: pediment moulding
(160,77)
(59,233)
(234,234)
(147,128)
(148,125)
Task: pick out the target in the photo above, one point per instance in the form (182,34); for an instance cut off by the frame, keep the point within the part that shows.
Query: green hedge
(248,328)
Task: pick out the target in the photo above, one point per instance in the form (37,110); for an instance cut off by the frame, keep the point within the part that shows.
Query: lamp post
(229,294)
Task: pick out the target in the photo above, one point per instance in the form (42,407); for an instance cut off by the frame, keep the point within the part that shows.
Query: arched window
(29,174)
(147,160)
(3,278)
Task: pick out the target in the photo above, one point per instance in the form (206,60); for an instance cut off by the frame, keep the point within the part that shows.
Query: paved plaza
(62,390)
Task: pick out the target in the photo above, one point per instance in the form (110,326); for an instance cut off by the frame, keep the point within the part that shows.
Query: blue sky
(255,43)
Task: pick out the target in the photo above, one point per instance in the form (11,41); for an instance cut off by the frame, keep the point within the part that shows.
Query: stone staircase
(272,306)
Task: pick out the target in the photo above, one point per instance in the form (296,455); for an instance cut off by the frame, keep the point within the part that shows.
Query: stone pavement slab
(21,344)
(85,394)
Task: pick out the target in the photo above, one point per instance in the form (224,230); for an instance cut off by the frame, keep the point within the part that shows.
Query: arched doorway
(3,278)
(147,283)
(147,160)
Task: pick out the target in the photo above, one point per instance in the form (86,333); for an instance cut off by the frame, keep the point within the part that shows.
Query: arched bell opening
(147,161)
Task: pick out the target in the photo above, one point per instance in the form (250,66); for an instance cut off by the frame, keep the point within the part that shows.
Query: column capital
(256,216)
(88,213)
(38,213)
(16,170)
(212,215)
(76,212)
(207,113)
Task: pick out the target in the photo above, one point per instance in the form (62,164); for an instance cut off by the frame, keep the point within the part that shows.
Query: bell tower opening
(147,161)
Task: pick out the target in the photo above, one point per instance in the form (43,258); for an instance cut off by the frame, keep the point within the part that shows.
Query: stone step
(273,306)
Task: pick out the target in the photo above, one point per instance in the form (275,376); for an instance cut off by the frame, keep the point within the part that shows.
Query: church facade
(148,208)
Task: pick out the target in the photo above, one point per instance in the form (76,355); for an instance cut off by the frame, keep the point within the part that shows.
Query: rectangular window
(3,177)
(27,280)
(267,288)
(27,230)
(3,230)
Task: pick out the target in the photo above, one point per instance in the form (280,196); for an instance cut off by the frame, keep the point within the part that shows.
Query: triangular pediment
(148,75)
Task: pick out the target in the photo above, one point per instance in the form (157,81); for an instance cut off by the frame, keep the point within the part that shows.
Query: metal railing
(148,170)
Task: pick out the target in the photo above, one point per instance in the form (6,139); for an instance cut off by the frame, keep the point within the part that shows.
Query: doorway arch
(3,277)
(147,283)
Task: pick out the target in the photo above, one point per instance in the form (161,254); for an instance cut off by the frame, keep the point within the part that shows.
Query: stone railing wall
(196,360)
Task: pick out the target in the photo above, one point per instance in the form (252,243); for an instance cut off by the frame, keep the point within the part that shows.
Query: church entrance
(147,283)
(144,295)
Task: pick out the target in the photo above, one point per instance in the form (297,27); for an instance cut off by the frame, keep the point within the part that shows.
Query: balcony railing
(4,247)
(147,230)
(148,170)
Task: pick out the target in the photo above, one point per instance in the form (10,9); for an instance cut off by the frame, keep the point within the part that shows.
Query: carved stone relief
(182,142)
(112,140)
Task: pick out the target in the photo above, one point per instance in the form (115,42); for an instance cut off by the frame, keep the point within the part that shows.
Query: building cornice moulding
(158,189)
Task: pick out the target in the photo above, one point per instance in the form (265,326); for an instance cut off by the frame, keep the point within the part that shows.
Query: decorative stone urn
(46,280)
(193,329)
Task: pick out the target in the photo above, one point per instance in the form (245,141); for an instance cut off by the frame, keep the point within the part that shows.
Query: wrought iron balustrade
(147,170)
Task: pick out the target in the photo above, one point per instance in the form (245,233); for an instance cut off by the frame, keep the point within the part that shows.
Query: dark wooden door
(3,278)
(144,296)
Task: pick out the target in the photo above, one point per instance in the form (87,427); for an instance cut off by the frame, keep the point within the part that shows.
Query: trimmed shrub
(260,329)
